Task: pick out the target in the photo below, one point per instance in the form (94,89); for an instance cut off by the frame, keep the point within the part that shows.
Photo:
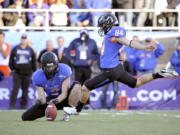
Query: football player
(52,82)
(115,38)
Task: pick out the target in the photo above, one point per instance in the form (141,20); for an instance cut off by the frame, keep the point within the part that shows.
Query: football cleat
(168,73)
(66,117)
(70,110)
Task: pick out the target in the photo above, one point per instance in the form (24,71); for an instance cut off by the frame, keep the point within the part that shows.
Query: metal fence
(47,27)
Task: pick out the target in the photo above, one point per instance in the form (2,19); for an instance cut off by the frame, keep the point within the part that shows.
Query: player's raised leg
(161,74)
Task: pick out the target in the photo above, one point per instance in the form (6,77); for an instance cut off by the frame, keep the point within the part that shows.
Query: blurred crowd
(57,16)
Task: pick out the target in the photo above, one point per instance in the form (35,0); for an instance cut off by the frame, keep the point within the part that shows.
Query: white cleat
(168,73)
(66,117)
(70,110)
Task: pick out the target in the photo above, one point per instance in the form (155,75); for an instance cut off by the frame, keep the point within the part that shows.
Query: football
(51,112)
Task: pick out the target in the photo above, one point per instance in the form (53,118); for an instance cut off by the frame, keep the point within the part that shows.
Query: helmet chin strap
(50,75)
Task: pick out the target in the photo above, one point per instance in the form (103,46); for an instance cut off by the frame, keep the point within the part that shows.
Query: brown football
(51,112)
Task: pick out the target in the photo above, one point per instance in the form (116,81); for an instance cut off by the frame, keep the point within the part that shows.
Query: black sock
(79,106)
(156,75)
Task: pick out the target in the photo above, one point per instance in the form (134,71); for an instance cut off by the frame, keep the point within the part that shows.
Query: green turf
(95,123)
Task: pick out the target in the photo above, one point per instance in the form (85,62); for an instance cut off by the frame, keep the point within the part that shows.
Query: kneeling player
(53,85)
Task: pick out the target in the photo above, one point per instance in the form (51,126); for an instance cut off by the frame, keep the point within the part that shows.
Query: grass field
(95,123)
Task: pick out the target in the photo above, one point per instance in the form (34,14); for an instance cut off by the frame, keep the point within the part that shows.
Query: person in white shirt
(58,14)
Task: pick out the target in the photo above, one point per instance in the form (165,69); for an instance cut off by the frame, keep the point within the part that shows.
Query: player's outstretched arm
(133,44)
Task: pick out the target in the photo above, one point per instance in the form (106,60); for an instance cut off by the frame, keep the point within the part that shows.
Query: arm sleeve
(71,47)
(33,61)
(7,52)
(36,80)
(11,60)
(160,50)
(74,18)
(174,60)
(67,71)
(30,14)
(39,57)
(95,55)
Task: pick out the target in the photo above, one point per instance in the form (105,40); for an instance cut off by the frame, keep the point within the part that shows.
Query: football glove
(55,101)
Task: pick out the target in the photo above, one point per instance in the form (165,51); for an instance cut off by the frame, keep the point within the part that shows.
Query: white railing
(48,28)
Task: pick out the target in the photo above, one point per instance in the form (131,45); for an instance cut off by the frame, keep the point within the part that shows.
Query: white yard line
(158,114)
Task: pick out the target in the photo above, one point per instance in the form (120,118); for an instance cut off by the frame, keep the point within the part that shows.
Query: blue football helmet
(105,22)
(49,63)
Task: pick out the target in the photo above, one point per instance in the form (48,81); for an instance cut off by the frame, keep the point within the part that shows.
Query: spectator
(70,3)
(167,16)
(61,51)
(58,16)
(127,66)
(142,16)
(23,64)
(25,3)
(97,4)
(5,3)
(175,59)
(86,52)
(15,18)
(4,55)
(82,18)
(146,61)
(37,18)
(31,2)
(125,19)
(1,15)
(49,48)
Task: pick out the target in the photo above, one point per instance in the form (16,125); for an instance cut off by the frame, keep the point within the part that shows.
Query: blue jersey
(52,87)
(110,50)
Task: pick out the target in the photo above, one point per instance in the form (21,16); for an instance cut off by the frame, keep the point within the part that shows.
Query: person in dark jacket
(22,63)
(82,52)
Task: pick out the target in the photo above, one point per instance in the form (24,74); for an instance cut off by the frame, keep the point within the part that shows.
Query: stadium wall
(159,94)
